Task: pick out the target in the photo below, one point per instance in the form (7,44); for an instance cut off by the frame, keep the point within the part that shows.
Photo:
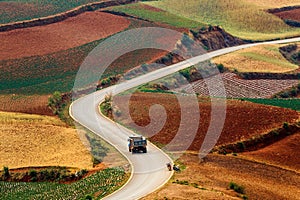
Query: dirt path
(75,31)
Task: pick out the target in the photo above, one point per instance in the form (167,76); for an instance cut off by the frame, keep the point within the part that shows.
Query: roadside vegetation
(10,10)
(95,186)
(242,19)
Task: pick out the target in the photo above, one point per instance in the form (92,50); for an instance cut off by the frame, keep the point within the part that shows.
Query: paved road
(148,170)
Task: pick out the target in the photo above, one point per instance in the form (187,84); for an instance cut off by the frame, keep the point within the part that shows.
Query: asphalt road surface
(149,171)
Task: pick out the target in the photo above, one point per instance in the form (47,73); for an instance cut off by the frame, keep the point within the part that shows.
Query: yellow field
(243,18)
(265,58)
(33,140)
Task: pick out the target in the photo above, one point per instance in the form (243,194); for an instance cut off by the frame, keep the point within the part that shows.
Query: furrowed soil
(36,104)
(243,119)
(33,140)
(72,32)
(283,153)
(210,178)
(291,14)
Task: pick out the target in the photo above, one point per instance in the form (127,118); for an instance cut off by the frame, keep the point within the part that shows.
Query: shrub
(239,189)
(286,125)
(241,145)
(6,172)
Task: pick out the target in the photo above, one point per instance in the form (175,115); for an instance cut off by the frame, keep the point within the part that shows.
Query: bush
(239,189)
(6,172)
(286,125)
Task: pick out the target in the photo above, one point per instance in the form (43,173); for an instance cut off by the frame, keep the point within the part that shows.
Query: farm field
(72,32)
(264,58)
(236,87)
(242,19)
(281,153)
(285,103)
(96,185)
(243,119)
(275,3)
(209,179)
(33,140)
(35,104)
(157,15)
(290,14)
(16,10)
(44,74)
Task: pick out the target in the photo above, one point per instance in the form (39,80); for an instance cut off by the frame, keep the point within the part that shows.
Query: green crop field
(241,18)
(293,104)
(19,10)
(152,14)
(97,185)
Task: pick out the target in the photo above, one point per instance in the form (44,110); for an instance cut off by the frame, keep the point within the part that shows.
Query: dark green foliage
(55,102)
(239,189)
(221,68)
(285,103)
(286,125)
(241,145)
(6,172)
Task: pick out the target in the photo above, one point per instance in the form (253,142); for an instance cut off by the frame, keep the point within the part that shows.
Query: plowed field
(74,31)
(243,119)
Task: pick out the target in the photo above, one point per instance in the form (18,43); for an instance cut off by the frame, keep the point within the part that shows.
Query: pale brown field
(265,58)
(33,140)
(210,179)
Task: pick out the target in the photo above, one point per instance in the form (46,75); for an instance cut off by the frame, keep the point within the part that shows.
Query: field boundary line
(62,16)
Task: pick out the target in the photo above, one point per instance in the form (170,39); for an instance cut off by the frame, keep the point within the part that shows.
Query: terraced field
(33,140)
(265,58)
(240,88)
(14,10)
(240,18)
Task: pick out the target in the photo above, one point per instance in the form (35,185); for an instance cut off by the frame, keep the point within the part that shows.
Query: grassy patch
(293,104)
(240,18)
(19,10)
(97,185)
(146,12)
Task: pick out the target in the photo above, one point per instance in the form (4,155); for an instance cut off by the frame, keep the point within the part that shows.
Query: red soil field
(243,119)
(283,153)
(291,14)
(72,32)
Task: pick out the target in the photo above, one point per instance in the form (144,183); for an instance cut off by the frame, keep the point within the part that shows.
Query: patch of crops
(97,185)
(19,10)
(293,104)
(240,18)
(153,14)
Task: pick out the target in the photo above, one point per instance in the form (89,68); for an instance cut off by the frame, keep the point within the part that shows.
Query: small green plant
(6,172)
(286,125)
(241,145)
(238,188)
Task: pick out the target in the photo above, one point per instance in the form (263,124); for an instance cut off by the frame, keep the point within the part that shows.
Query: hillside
(243,19)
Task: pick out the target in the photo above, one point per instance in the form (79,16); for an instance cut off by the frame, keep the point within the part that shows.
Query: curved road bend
(149,170)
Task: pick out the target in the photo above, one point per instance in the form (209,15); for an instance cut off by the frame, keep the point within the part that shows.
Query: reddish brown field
(284,153)
(291,14)
(75,31)
(243,119)
(210,179)
(25,104)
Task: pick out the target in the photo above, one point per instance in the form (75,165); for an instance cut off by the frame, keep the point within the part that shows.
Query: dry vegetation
(32,140)
(240,18)
(265,58)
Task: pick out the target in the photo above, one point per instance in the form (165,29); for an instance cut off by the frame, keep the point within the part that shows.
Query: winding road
(149,170)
